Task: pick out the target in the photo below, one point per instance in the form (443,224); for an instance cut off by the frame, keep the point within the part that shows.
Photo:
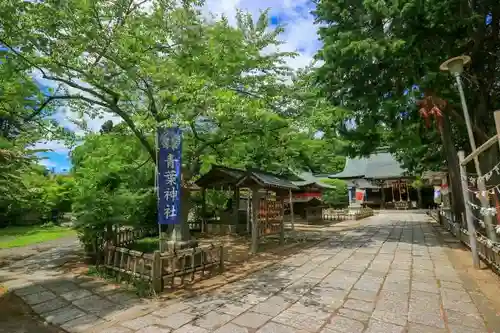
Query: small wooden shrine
(307,202)
(264,200)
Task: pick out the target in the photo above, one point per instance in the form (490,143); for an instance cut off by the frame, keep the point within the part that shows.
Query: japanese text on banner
(169,175)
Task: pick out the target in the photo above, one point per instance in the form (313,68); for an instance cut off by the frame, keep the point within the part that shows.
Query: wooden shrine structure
(260,213)
(307,202)
(382,181)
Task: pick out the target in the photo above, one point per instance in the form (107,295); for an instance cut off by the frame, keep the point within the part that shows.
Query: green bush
(337,197)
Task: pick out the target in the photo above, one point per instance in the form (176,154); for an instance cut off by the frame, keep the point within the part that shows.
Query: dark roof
(220,176)
(380,165)
(265,179)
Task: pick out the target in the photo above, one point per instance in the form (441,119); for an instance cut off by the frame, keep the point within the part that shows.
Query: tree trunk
(453,167)
(419,196)
(382,196)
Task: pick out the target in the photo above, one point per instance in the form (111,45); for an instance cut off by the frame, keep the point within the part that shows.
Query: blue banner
(169,175)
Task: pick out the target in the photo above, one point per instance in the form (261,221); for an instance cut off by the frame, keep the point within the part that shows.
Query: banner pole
(156,189)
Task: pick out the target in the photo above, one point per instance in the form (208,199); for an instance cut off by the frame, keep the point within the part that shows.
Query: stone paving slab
(387,275)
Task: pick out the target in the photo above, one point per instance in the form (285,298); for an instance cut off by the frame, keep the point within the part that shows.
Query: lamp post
(456,67)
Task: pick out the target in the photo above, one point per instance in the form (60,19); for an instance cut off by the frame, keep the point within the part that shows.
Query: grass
(147,245)
(17,236)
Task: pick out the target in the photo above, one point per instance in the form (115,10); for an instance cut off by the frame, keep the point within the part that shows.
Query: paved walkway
(389,275)
(69,243)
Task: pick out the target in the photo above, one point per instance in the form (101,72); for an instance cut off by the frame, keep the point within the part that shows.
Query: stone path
(389,275)
(69,243)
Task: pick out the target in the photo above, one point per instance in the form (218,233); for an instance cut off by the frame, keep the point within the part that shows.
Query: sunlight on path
(390,274)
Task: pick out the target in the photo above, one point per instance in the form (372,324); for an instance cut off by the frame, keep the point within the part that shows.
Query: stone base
(170,246)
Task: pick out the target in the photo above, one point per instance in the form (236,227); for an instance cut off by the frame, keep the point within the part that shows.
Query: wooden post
(399,189)
(255,220)
(292,215)
(266,200)
(156,272)
(203,208)
(221,259)
(469,217)
(249,214)
(407,192)
(496,115)
(236,206)
(392,189)
(282,224)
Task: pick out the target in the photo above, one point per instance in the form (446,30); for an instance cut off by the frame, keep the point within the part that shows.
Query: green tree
(24,120)
(114,184)
(337,197)
(379,58)
(160,65)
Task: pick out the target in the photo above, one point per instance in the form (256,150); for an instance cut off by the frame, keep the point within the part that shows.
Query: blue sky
(299,36)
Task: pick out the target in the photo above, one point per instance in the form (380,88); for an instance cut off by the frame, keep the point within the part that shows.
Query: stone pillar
(180,237)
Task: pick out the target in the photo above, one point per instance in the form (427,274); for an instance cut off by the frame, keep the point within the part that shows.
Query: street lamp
(456,67)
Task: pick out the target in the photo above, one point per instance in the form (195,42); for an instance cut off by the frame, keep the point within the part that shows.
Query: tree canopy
(380,57)
(151,64)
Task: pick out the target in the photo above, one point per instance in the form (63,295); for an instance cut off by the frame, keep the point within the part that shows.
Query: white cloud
(300,36)
(54,146)
(300,31)
(47,163)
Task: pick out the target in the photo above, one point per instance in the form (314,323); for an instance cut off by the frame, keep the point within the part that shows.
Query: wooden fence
(129,236)
(163,270)
(487,251)
(344,214)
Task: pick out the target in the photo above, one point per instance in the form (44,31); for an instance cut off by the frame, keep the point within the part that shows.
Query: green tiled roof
(271,180)
(378,166)
(309,179)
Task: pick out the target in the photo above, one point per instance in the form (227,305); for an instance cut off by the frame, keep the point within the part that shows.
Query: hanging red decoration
(431,107)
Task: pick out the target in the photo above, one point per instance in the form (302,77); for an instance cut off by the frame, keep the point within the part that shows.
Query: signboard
(169,175)
(360,195)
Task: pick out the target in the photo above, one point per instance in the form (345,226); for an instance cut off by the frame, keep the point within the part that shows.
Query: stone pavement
(69,244)
(388,275)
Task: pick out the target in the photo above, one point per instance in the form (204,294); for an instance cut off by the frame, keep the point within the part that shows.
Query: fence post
(292,215)
(221,259)
(282,224)
(255,220)
(469,217)
(156,272)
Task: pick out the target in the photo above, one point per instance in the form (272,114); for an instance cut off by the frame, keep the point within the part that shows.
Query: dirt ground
(480,283)
(17,317)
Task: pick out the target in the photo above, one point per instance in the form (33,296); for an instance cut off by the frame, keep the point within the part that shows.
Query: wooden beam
(255,220)
(481,148)
(292,217)
(497,124)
